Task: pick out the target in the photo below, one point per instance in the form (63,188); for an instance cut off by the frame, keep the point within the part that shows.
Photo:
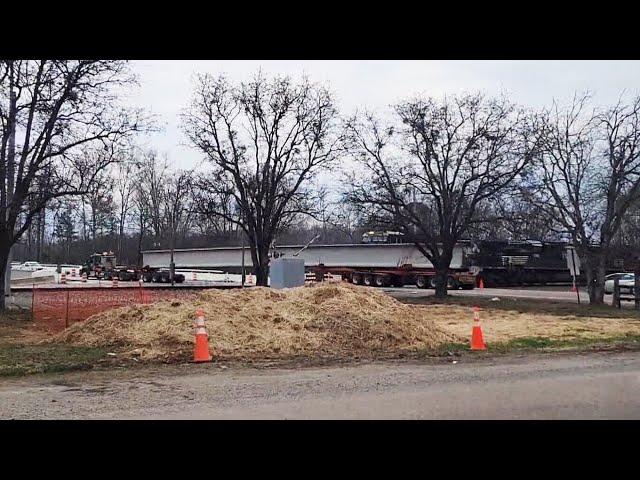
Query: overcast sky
(165,86)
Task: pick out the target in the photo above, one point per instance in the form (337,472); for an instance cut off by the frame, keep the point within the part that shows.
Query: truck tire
(381,281)
(356,279)
(368,280)
(422,281)
(452,284)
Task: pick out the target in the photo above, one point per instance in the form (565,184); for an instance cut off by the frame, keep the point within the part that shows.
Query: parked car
(626,280)
(30,266)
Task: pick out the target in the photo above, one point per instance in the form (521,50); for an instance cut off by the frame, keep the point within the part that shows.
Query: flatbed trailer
(159,275)
(396,276)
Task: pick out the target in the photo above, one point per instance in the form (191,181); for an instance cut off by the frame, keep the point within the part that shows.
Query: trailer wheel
(381,281)
(432,282)
(356,279)
(368,280)
(422,281)
(452,283)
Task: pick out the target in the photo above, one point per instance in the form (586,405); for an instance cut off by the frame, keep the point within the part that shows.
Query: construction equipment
(103,266)
(159,275)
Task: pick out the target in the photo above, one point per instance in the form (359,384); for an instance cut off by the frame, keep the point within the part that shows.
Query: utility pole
(243,277)
(172,265)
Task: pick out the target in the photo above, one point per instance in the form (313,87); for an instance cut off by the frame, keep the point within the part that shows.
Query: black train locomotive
(512,263)
(531,262)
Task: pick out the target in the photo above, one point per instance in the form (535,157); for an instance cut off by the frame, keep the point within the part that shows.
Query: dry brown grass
(500,325)
(332,321)
(328,320)
(16,327)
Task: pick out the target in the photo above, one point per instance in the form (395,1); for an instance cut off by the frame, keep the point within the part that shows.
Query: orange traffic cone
(114,282)
(477,343)
(481,284)
(195,276)
(63,278)
(84,277)
(201,348)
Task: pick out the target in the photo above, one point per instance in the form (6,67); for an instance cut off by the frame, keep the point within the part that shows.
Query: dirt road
(589,386)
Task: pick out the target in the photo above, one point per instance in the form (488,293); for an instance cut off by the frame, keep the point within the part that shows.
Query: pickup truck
(29,267)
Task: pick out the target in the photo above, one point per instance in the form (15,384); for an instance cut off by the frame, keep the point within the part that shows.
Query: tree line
(74,182)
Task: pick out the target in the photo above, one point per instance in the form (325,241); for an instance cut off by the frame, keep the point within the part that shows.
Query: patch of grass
(531,342)
(451,349)
(26,359)
(525,344)
(535,343)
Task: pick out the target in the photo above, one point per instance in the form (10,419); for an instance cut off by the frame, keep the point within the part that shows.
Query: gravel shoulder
(509,386)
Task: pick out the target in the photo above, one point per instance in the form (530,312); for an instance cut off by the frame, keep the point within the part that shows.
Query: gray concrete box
(286,272)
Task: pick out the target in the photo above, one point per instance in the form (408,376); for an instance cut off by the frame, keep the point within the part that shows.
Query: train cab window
(382,237)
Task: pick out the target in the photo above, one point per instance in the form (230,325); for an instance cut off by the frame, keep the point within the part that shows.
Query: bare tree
(589,177)
(266,140)
(140,207)
(99,197)
(152,176)
(215,208)
(49,109)
(177,211)
(428,172)
(124,187)
(512,215)
(345,220)
(64,230)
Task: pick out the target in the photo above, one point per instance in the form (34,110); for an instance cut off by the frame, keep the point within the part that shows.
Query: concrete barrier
(31,280)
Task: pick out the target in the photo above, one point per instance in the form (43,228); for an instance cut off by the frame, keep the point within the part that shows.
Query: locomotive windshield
(382,237)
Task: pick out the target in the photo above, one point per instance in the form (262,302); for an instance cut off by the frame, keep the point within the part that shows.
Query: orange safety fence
(56,309)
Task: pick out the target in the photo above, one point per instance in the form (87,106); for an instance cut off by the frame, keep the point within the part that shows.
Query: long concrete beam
(349,255)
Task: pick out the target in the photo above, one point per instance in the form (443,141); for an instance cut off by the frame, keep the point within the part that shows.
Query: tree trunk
(140,249)
(120,235)
(442,271)
(600,279)
(5,249)
(262,275)
(441,281)
(262,267)
(595,272)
